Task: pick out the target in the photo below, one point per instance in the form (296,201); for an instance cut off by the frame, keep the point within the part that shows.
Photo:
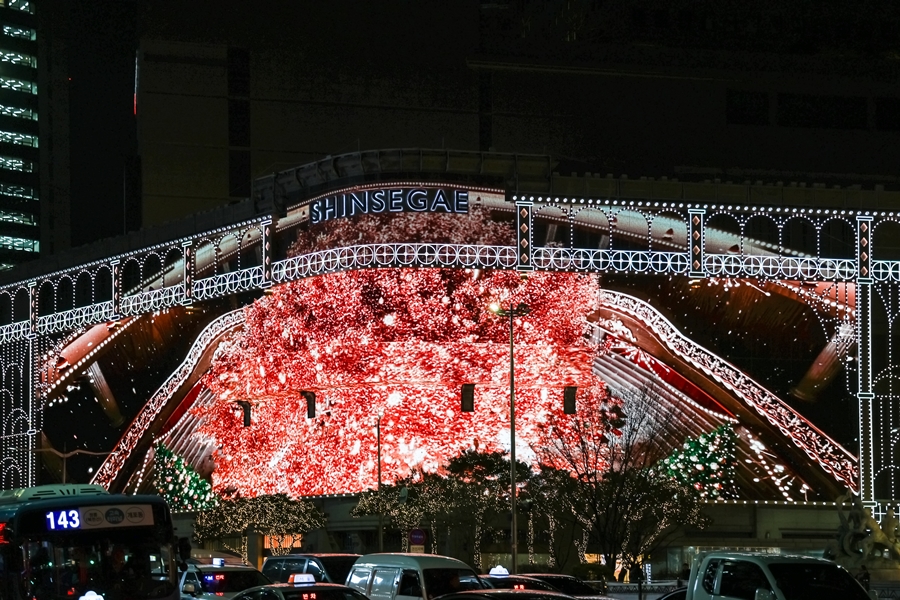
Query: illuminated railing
(393,255)
(135,432)
(780,267)
(225,284)
(886,270)
(14,331)
(833,458)
(82,316)
(151,300)
(580,259)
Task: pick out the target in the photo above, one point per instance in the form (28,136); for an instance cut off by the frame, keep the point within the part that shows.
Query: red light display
(398,343)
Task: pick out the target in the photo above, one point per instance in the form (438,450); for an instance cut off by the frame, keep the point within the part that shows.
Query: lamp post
(380,506)
(519,310)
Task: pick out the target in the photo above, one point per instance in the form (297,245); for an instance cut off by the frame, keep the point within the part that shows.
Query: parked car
(406,576)
(571,585)
(516,582)
(679,594)
(326,567)
(497,594)
(301,588)
(218,582)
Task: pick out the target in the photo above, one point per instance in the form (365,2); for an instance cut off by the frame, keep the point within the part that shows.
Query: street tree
(626,502)
(276,515)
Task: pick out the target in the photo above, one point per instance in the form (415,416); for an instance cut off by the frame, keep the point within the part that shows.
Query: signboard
(417,537)
(390,200)
(95,517)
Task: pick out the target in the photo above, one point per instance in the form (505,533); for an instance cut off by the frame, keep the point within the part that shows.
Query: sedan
(516,582)
(302,591)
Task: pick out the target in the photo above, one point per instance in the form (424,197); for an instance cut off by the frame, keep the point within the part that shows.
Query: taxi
(301,586)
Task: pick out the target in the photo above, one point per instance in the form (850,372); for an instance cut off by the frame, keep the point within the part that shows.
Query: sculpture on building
(861,540)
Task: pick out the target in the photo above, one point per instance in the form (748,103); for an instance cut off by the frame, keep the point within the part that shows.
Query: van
(328,568)
(403,576)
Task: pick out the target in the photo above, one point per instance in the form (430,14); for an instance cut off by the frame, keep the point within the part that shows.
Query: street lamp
(520,310)
(380,506)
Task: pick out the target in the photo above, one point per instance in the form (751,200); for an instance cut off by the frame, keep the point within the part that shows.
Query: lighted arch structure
(47,320)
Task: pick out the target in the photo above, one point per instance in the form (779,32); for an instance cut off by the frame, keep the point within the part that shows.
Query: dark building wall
(326,80)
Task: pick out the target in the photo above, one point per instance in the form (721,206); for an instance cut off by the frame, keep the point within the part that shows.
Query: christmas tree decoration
(181,486)
(399,343)
(707,463)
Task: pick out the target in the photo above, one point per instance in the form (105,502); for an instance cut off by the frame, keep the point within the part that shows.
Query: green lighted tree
(276,516)
(181,486)
(707,463)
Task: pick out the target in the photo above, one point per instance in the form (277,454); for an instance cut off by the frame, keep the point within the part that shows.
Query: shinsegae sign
(389,200)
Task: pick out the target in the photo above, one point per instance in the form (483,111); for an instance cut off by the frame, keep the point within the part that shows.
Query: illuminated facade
(19,154)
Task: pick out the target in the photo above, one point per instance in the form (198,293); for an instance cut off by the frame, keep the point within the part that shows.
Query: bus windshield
(113,566)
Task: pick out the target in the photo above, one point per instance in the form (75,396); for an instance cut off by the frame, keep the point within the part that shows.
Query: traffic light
(468,397)
(310,404)
(245,406)
(569,399)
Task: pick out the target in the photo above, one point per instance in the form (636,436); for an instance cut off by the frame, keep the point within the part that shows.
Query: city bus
(79,542)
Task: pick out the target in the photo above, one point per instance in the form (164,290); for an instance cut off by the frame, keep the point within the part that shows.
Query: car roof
(211,567)
(501,593)
(549,575)
(407,559)
(313,555)
(768,558)
(319,585)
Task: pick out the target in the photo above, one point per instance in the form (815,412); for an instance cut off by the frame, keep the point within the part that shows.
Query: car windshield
(113,566)
(224,581)
(446,581)
(330,594)
(571,586)
(816,581)
(338,567)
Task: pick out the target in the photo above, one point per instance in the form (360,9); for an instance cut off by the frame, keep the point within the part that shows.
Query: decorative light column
(520,310)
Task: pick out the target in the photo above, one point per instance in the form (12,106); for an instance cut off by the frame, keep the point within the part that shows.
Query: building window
(18,85)
(19,32)
(887,114)
(23,5)
(16,164)
(17,191)
(17,58)
(18,111)
(8,216)
(21,139)
(14,243)
(747,108)
(822,112)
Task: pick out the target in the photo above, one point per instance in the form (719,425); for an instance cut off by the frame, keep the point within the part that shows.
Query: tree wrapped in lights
(400,343)
(179,484)
(707,463)
(623,499)
(276,516)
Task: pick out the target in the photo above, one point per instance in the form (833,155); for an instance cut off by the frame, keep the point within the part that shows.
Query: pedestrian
(863,577)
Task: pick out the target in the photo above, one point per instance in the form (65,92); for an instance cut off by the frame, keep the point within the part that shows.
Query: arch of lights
(681,238)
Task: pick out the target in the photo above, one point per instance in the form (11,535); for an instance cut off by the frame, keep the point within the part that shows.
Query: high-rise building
(19,133)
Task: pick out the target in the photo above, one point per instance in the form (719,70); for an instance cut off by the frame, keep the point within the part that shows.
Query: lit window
(14,243)
(21,139)
(18,111)
(17,58)
(17,191)
(23,5)
(18,85)
(16,164)
(19,32)
(16,217)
